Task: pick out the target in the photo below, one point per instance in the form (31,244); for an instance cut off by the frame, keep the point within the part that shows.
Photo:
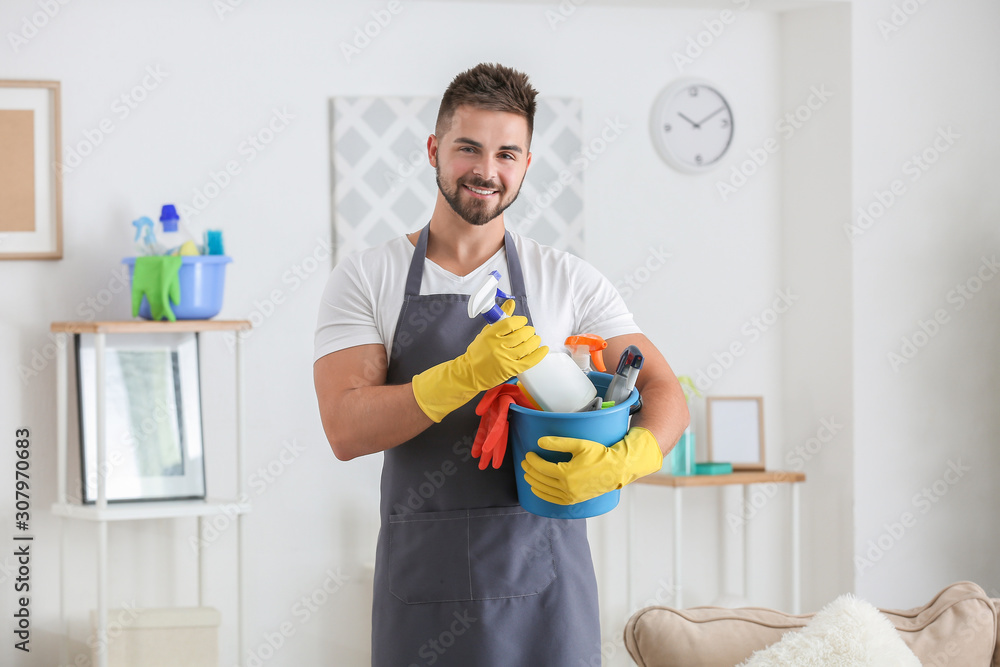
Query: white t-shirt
(566,295)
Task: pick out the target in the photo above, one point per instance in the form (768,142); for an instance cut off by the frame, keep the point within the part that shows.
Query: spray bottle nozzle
(143,228)
(483,301)
(500,292)
(587,344)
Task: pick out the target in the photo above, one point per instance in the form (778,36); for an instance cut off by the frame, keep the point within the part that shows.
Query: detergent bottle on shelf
(555,383)
(176,240)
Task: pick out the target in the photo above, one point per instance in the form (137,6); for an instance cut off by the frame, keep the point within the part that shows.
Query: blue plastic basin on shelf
(202,279)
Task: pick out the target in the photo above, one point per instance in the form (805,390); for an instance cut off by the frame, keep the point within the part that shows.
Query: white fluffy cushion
(848,632)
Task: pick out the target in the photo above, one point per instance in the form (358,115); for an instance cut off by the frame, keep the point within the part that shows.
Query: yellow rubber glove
(500,351)
(594,468)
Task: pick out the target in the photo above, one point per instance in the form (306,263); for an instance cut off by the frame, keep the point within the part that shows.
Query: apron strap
(514,267)
(415,273)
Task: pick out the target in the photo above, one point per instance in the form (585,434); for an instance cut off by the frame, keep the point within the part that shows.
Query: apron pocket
(464,555)
(511,553)
(429,557)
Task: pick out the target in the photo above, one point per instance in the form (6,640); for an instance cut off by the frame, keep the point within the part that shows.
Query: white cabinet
(101,512)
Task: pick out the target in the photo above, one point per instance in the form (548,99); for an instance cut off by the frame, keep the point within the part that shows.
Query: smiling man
(463,575)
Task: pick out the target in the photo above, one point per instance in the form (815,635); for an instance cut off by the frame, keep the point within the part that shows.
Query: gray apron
(463,575)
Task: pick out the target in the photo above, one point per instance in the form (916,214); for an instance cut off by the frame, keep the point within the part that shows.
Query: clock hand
(710,115)
(694,124)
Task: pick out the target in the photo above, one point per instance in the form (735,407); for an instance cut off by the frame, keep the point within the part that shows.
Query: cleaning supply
(174,238)
(490,444)
(681,459)
(715,468)
(145,237)
(594,468)
(499,352)
(213,242)
(607,427)
(587,347)
(682,456)
(188,249)
(202,281)
(556,383)
(628,368)
(156,279)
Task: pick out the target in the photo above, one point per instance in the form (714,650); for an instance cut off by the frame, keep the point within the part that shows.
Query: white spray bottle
(555,383)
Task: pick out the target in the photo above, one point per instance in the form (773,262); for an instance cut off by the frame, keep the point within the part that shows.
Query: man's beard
(476,211)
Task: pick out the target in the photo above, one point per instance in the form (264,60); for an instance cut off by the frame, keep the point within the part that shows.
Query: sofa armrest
(996,651)
(961,620)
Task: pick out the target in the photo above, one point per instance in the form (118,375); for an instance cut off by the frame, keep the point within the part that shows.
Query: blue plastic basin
(606,426)
(202,279)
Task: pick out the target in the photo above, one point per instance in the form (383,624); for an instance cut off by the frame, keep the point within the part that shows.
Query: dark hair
(488,86)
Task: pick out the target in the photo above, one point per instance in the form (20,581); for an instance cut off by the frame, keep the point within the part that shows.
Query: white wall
(938,408)
(818,384)
(226,76)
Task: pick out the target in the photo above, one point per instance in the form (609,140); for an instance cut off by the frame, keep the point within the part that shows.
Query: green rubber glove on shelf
(498,353)
(156,278)
(594,469)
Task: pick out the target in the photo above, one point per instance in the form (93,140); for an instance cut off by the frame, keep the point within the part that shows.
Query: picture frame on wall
(153,427)
(736,431)
(30,176)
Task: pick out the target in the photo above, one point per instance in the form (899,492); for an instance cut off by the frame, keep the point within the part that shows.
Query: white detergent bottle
(555,383)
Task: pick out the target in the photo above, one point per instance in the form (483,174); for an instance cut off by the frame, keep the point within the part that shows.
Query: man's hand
(498,353)
(594,468)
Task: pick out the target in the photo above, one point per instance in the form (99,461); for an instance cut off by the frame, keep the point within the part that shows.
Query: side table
(744,479)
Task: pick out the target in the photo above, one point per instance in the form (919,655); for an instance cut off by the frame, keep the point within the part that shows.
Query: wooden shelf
(743,477)
(152,509)
(149,326)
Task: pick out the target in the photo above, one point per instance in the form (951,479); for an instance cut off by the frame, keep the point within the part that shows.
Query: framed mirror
(736,430)
(153,430)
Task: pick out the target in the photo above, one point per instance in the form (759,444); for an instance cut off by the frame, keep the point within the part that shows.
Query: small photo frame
(736,431)
(153,430)
(30,175)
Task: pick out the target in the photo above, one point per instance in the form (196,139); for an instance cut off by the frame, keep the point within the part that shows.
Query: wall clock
(692,125)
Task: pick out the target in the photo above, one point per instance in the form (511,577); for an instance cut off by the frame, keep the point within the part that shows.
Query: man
(463,575)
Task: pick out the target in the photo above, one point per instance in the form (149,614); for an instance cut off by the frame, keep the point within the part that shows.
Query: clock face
(692,125)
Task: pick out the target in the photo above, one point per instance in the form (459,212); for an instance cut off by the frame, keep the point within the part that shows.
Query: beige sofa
(957,628)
